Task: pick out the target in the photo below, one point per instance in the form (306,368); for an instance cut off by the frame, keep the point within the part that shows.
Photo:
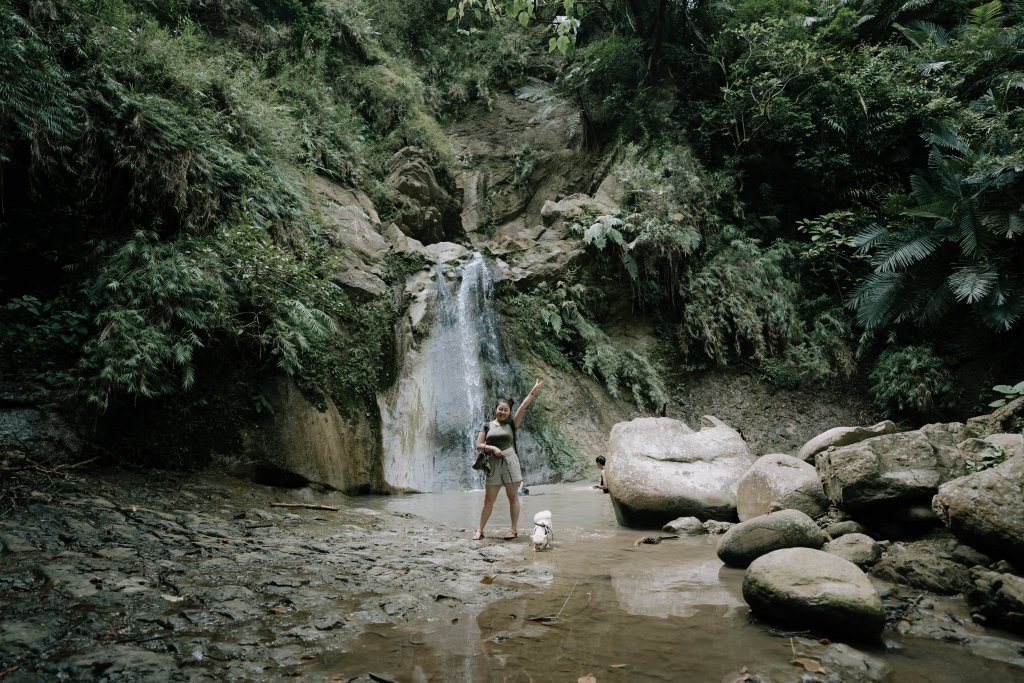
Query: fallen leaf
(616,666)
(589,678)
(280,609)
(487,580)
(171,598)
(809,664)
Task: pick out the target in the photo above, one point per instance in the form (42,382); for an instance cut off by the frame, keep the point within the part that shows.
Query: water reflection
(676,591)
(624,611)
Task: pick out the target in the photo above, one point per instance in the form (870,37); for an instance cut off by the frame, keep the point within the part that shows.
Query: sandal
(478,534)
(511,535)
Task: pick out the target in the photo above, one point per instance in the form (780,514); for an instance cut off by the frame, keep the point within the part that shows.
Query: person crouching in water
(603,485)
(497,440)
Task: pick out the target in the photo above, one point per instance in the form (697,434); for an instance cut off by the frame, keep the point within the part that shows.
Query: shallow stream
(621,611)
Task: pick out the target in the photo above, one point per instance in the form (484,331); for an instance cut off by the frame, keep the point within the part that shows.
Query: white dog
(542,534)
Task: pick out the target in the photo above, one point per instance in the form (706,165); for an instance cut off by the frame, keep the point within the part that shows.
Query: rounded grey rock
(807,588)
(747,541)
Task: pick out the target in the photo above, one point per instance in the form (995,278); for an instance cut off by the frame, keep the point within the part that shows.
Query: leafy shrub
(36,106)
(555,323)
(158,303)
(776,373)
(1009,394)
(606,73)
(43,335)
(671,205)
(823,354)
(912,381)
(739,302)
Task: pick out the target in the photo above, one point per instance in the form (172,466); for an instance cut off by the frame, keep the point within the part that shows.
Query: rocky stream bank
(171,577)
(158,576)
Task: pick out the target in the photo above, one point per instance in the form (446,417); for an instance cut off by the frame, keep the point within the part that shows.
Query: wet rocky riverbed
(156,576)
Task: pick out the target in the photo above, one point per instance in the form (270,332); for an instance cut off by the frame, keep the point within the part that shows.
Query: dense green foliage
(155,158)
(858,172)
(912,380)
(559,322)
(803,184)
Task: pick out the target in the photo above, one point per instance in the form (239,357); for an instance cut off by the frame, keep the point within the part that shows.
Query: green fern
(956,248)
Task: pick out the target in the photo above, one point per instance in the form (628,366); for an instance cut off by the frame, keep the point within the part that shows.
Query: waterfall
(447,389)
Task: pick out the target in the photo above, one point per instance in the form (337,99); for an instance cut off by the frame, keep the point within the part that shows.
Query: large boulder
(996,599)
(759,536)
(891,470)
(1005,419)
(842,436)
(324,447)
(778,478)
(807,588)
(986,510)
(660,469)
(917,567)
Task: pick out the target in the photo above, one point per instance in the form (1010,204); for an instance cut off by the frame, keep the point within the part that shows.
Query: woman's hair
(508,400)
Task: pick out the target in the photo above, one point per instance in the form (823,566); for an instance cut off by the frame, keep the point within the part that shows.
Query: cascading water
(447,388)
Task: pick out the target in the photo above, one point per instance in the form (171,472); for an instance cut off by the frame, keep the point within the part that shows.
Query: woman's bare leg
(512,491)
(490,495)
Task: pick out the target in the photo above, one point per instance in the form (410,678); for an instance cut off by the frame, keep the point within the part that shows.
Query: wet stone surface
(116,576)
(197,578)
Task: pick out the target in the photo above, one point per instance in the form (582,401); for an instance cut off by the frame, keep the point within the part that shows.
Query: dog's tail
(542,516)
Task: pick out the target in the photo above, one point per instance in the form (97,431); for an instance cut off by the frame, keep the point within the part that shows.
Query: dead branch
(308,506)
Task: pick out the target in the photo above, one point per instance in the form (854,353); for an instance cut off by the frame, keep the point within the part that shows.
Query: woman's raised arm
(521,411)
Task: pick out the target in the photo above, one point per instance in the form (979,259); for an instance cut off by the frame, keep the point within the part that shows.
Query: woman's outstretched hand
(533,392)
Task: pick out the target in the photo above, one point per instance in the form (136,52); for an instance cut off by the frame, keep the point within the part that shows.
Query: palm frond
(1001,310)
(945,137)
(936,306)
(923,33)
(938,208)
(921,189)
(870,237)
(877,300)
(911,5)
(1015,223)
(533,92)
(968,228)
(950,179)
(929,68)
(909,252)
(989,15)
(972,283)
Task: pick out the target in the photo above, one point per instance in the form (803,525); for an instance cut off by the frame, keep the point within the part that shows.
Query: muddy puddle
(606,607)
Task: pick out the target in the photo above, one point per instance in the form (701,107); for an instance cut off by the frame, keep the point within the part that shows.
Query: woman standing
(497,440)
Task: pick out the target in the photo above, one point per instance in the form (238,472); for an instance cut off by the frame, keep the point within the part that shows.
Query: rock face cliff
(503,219)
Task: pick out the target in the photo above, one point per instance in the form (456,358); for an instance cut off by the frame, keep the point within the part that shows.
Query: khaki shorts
(504,470)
